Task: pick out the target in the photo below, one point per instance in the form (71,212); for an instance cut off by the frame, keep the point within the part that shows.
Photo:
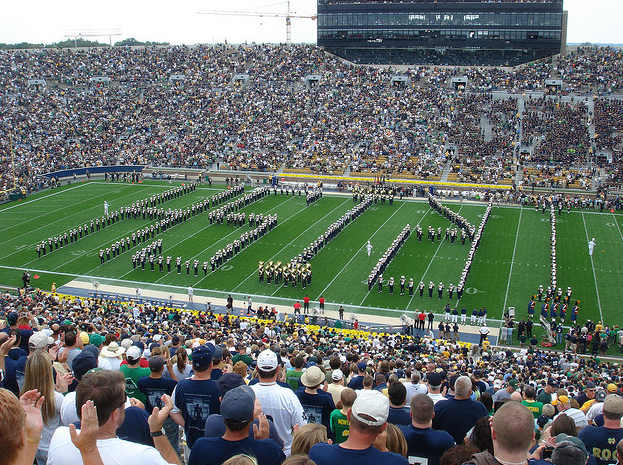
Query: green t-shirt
(132,375)
(292,378)
(339,425)
(535,407)
(544,397)
(245,358)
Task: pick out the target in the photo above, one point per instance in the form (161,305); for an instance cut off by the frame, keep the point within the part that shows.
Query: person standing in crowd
(423,441)
(601,441)
(106,390)
(368,419)
(237,407)
(280,403)
(459,414)
(197,397)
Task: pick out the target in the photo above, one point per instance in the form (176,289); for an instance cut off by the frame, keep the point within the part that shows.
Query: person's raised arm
(156,422)
(86,440)
(31,403)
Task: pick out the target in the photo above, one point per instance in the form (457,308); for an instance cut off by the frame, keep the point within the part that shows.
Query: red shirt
(297,306)
(321,300)
(306,300)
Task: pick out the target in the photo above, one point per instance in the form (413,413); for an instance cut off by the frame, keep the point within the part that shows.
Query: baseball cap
(497,384)
(12,318)
(590,385)
(561,400)
(600,396)
(229,381)
(552,382)
(337,375)
(577,442)
(40,340)
(133,353)
(202,356)
(238,404)
(96,339)
(612,387)
(371,408)
(218,352)
(156,363)
(434,379)
(312,377)
(361,366)
(82,363)
(84,337)
(513,383)
(267,360)
(613,404)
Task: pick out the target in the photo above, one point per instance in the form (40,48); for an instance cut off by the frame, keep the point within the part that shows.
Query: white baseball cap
(371,408)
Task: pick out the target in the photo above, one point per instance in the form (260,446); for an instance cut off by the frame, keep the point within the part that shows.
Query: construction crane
(77,34)
(288,16)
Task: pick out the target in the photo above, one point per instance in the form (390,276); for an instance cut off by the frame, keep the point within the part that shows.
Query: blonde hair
(396,441)
(241,459)
(307,436)
(240,368)
(39,376)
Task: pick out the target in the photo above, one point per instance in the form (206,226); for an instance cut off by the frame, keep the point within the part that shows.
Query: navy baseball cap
(82,363)
(361,366)
(434,379)
(229,381)
(12,318)
(202,356)
(238,405)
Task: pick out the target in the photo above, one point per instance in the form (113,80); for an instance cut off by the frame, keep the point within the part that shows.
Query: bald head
(512,428)
(463,387)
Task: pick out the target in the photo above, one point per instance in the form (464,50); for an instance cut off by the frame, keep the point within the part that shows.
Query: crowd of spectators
(102,380)
(350,121)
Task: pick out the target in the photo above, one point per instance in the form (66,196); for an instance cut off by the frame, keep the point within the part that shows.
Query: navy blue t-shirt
(197,400)
(215,428)
(356,383)
(317,408)
(427,443)
(134,427)
(10,379)
(332,454)
(399,416)
(153,389)
(457,417)
(214,451)
(601,442)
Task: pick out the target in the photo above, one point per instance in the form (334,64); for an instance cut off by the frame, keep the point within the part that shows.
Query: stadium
(432,186)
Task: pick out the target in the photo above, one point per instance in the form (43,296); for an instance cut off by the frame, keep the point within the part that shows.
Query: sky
(38,21)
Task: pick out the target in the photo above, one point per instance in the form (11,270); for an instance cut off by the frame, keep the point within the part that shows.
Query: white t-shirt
(436,397)
(415,389)
(113,451)
(53,423)
(285,408)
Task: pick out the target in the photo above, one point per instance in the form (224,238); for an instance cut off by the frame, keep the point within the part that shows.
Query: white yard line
(617,225)
(594,275)
(359,250)
(510,274)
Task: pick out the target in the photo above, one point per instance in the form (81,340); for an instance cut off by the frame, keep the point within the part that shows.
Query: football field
(512,261)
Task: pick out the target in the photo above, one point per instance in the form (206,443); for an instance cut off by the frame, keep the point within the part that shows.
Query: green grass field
(512,260)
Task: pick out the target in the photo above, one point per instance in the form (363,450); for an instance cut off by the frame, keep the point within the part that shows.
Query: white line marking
(510,273)
(594,275)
